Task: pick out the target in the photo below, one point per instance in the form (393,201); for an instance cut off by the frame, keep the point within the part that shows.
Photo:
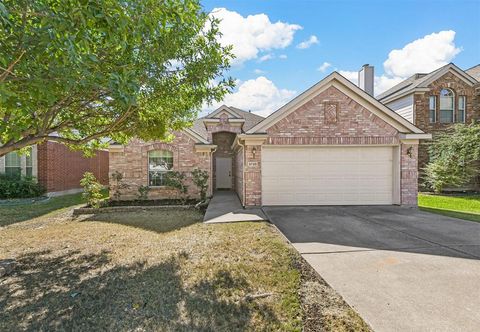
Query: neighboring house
(435,101)
(56,167)
(332,145)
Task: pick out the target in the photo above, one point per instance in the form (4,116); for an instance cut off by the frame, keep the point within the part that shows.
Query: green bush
(454,157)
(19,187)
(92,190)
(176,180)
(200,179)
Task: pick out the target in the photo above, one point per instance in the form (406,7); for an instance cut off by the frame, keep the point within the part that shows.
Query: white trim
(34,153)
(116,148)
(204,147)
(415,136)
(223,108)
(354,92)
(2,165)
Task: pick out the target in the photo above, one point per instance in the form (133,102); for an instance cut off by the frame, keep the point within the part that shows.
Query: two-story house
(435,101)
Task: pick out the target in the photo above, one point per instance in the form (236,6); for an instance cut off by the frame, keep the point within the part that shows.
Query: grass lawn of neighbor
(458,206)
(156,271)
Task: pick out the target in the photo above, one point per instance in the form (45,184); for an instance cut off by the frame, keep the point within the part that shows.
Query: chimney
(365,79)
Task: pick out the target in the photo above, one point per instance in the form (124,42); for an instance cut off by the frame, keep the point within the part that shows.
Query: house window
(433,108)
(462,101)
(13,164)
(446,106)
(159,163)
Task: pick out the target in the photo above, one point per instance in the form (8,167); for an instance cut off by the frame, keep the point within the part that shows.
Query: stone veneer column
(409,172)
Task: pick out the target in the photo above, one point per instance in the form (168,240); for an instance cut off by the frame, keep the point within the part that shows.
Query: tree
(454,157)
(76,72)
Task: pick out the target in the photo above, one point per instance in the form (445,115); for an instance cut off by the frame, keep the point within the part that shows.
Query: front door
(223,169)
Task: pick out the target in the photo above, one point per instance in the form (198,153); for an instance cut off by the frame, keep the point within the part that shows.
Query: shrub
(200,179)
(454,157)
(176,180)
(91,190)
(117,178)
(19,187)
(143,192)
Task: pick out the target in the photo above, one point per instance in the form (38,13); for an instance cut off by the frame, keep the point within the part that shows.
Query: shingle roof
(474,72)
(419,80)
(250,121)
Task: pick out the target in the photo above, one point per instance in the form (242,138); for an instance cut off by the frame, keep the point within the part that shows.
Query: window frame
(434,109)
(18,157)
(168,155)
(464,109)
(443,110)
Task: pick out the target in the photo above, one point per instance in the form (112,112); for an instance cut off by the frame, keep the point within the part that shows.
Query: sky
(283,47)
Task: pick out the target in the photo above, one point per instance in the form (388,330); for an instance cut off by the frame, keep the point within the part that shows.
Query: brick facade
(422,111)
(61,169)
(132,162)
(408,173)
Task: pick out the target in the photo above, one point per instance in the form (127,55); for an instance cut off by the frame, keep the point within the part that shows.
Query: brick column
(409,172)
(253,175)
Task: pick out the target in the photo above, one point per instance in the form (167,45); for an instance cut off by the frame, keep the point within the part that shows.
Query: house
(56,167)
(334,144)
(435,101)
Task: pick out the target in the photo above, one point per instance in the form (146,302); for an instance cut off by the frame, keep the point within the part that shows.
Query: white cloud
(324,67)
(307,43)
(258,71)
(252,34)
(266,57)
(422,55)
(259,95)
(282,56)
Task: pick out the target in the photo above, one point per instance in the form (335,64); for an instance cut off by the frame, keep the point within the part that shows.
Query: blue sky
(272,68)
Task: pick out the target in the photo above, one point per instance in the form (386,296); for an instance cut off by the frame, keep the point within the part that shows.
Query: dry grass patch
(147,271)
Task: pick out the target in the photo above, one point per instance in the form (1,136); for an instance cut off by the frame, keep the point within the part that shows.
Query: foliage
(454,157)
(119,184)
(176,180)
(19,187)
(143,192)
(200,179)
(76,72)
(92,190)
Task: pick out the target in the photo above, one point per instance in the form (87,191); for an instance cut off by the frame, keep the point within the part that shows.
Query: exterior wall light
(254,151)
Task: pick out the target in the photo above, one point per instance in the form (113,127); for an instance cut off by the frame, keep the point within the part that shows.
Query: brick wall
(422,111)
(61,169)
(330,118)
(132,162)
(239,173)
(408,174)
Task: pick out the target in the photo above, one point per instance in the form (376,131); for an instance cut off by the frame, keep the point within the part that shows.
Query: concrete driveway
(401,269)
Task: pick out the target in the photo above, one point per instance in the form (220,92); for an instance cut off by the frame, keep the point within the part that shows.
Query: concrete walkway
(401,269)
(226,207)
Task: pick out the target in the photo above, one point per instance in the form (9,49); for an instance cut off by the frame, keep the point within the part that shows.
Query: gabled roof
(420,82)
(251,119)
(474,72)
(350,89)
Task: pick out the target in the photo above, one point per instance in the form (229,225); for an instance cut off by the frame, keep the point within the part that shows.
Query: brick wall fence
(60,169)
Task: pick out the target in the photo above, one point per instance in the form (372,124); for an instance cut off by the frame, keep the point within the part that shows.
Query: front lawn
(160,271)
(458,206)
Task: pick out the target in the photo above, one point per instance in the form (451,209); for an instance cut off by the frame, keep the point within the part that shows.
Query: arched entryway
(223,165)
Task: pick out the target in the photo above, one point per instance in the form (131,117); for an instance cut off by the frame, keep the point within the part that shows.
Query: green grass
(458,206)
(17,213)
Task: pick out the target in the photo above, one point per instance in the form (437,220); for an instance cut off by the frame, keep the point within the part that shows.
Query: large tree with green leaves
(454,157)
(78,71)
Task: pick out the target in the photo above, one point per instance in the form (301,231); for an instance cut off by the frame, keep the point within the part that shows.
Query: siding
(403,106)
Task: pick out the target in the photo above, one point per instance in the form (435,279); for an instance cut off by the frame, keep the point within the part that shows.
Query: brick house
(334,144)
(56,167)
(435,101)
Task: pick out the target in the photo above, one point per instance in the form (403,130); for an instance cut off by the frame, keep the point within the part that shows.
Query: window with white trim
(462,102)
(447,98)
(433,109)
(159,163)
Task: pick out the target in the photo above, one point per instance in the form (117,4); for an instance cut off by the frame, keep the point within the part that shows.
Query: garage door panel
(327,175)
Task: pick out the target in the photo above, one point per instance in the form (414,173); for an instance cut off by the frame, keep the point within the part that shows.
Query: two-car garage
(329,175)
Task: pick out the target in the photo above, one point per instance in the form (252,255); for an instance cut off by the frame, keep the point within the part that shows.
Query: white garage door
(327,175)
